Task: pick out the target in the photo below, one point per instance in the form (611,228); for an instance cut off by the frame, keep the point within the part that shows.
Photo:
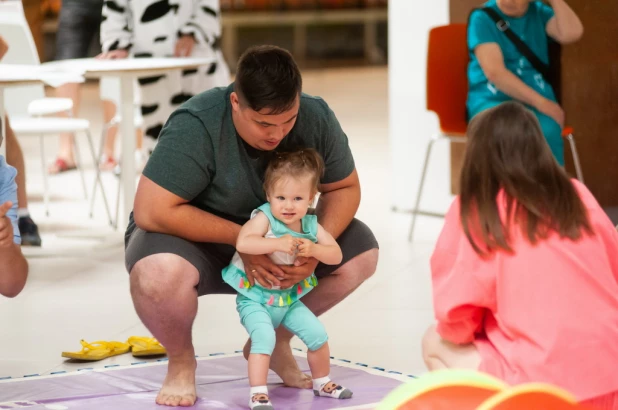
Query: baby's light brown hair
(295,164)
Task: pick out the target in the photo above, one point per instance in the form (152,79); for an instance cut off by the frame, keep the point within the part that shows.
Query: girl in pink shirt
(525,272)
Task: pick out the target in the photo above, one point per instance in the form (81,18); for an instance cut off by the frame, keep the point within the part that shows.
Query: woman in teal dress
(498,72)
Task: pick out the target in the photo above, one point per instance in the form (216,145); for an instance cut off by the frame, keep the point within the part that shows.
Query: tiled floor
(86,296)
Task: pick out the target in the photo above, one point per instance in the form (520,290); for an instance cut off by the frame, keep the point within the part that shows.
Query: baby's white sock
(259,399)
(318,383)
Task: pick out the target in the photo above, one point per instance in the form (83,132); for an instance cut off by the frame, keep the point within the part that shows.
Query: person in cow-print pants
(166,28)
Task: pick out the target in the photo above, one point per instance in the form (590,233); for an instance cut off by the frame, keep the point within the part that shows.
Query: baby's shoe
(260,401)
(332,390)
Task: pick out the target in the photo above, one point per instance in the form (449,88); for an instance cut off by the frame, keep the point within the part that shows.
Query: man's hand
(302,269)
(261,269)
(4,47)
(184,46)
(306,248)
(6,227)
(113,55)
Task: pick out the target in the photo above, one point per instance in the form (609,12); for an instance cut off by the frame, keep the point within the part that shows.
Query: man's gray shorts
(211,258)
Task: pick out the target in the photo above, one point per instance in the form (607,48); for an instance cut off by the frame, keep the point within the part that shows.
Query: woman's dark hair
(506,150)
(268,77)
(295,164)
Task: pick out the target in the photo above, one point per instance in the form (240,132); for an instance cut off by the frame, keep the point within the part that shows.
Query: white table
(127,71)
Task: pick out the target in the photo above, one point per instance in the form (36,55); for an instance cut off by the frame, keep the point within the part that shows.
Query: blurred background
(368,60)
(318,32)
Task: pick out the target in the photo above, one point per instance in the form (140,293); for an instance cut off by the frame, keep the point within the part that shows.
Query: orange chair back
(447,79)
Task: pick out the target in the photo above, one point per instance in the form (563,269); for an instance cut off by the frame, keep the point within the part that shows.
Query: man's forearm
(13,271)
(336,209)
(188,222)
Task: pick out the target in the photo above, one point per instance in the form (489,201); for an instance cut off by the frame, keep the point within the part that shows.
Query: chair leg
(118,198)
(98,175)
(45,182)
(420,187)
(78,160)
(78,164)
(578,167)
(97,169)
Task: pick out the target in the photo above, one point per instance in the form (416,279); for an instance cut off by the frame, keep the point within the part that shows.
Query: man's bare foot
(283,363)
(179,386)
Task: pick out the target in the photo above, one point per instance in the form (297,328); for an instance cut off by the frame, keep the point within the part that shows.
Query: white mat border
(374,370)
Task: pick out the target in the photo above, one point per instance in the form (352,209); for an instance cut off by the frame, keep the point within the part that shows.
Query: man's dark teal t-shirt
(201,158)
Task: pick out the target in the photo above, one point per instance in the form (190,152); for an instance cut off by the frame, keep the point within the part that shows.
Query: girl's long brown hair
(507,150)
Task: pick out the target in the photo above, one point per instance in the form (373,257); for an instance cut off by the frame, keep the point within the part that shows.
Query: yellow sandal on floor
(98,350)
(145,346)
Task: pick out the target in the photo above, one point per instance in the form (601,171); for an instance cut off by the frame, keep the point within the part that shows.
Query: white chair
(24,102)
(11,13)
(50,105)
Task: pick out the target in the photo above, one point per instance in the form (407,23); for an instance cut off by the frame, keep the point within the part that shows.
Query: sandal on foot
(108,164)
(145,346)
(59,166)
(98,350)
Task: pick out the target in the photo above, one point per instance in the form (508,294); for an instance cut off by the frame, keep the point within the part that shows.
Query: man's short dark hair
(268,77)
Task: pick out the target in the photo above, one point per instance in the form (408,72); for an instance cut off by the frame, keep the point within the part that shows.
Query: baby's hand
(287,244)
(306,248)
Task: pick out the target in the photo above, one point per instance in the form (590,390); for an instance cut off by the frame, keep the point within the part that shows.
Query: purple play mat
(221,384)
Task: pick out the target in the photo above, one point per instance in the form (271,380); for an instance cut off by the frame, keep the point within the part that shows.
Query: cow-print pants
(161,95)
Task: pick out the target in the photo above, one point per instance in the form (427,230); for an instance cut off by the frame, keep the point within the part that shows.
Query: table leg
(127,131)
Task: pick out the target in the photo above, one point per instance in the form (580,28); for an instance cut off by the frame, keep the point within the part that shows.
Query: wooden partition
(34,16)
(589,89)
